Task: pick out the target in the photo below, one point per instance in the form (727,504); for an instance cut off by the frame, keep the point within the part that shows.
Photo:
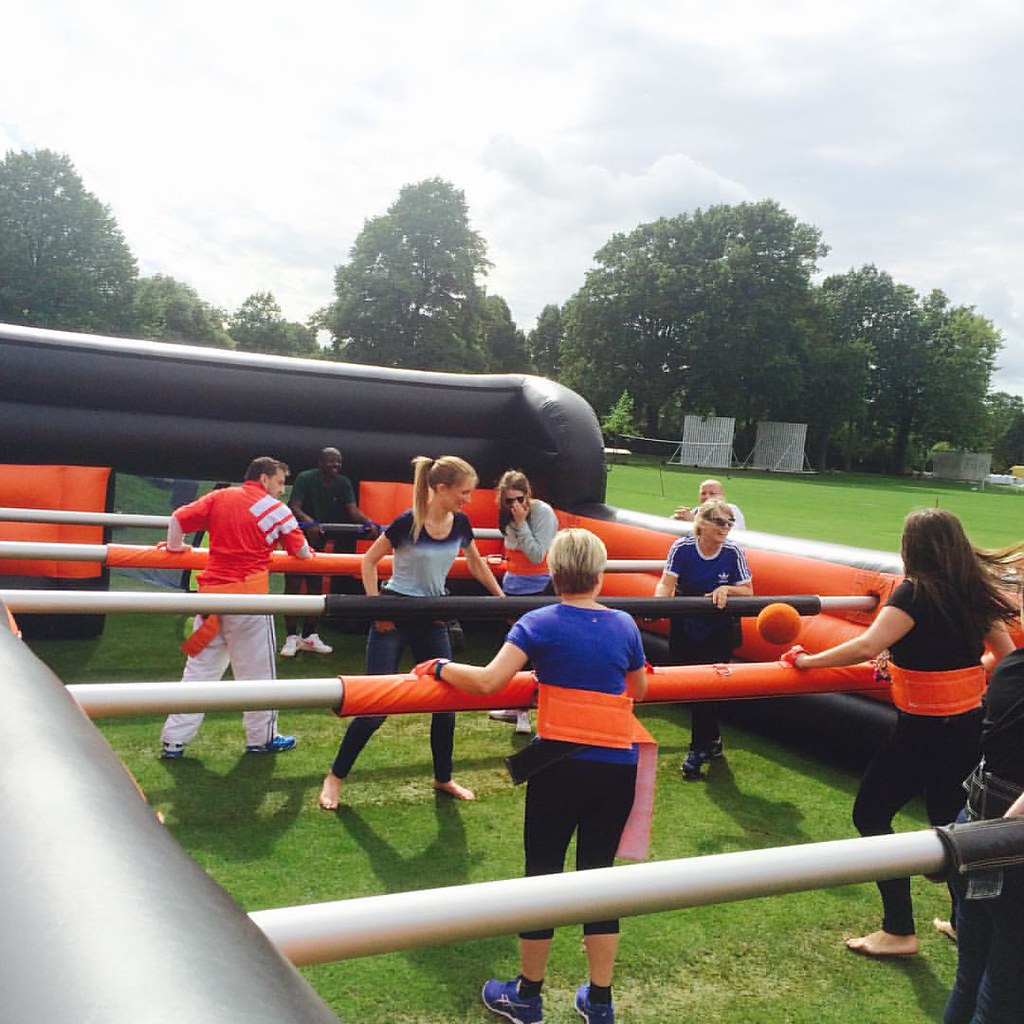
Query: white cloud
(241,147)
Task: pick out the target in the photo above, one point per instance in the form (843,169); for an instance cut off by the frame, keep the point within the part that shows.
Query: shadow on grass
(930,991)
(758,817)
(444,860)
(219,812)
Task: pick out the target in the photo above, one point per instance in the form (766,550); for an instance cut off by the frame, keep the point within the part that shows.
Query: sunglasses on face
(519,499)
(725,524)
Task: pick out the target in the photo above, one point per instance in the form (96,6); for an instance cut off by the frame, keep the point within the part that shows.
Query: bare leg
(533,958)
(330,792)
(601,952)
(452,788)
(882,943)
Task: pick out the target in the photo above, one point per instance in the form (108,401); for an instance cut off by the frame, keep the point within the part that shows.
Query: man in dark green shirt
(320,495)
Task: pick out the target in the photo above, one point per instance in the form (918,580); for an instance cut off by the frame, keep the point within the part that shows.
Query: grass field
(254,825)
(865,511)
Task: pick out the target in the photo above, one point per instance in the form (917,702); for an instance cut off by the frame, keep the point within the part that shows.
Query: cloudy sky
(242,146)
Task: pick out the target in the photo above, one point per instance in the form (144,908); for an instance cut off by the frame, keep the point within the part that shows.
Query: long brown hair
(430,473)
(511,480)
(964,584)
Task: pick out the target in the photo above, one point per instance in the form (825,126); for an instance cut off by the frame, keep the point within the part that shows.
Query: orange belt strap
(606,720)
(517,563)
(585,716)
(257,583)
(937,693)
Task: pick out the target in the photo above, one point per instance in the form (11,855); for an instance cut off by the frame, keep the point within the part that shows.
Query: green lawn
(865,511)
(253,823)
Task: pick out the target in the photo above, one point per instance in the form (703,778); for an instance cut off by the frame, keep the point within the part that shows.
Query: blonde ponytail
(429,473)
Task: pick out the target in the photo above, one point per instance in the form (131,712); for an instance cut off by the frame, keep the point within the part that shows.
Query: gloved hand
(431,668)
(789,658)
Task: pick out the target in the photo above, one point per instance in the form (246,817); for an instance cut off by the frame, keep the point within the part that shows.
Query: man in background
(320,495)
(710,490)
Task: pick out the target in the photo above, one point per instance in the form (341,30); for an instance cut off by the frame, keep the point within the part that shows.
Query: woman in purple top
(578,645)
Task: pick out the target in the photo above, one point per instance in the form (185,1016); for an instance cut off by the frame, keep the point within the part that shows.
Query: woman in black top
(935,627)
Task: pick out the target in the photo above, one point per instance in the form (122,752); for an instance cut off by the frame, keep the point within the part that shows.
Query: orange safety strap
(519,564)
(606,720)
(257,583)
(585,716)
(10,621)
(937,693)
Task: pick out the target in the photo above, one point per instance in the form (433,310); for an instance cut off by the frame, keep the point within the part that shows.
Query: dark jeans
(927,757)
(592,799)
(989,984)
(716,649)
(383,654)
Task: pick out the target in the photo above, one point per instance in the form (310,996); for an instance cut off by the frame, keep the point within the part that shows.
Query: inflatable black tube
(105,916)
(180,411)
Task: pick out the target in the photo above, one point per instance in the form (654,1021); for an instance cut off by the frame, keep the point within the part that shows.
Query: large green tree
(545,341)
(503,342)
(63,260)
(409,294)
(170,310)
(711,303)
(258,325)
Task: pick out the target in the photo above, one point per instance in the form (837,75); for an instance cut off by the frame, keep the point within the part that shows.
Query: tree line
(710,312)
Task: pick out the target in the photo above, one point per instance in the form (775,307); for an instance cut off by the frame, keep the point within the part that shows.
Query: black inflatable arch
(174,410)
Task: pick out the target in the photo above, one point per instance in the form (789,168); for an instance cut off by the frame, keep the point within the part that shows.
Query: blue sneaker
(503,997)
(695,761)
(278,745)
(172,751)
(593,1013)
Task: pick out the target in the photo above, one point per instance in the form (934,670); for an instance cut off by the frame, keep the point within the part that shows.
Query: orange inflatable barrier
(409,694)
(75,488)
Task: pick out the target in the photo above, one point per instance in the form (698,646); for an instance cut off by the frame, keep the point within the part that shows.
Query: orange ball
(778,623)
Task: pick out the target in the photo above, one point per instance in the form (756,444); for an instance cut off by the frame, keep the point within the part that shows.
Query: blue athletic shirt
(697,575)
(420,569)
(582,649)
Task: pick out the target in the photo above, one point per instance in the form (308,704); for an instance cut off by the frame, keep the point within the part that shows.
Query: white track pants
(248,644)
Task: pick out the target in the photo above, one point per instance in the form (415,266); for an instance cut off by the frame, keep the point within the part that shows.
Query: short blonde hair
(576,559)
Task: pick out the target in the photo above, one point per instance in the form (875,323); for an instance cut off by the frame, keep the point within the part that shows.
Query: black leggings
(924,756)
(592,799)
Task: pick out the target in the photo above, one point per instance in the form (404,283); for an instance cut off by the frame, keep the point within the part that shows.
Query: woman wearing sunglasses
(704,564)
(528,526)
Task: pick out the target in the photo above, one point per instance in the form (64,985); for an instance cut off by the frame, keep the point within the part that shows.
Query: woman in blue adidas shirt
(426,541)
(704,564)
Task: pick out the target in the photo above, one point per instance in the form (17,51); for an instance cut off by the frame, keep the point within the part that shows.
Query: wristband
(438,665)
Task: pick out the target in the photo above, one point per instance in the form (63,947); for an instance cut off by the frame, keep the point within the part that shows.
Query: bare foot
(945,927)
(330,792)
(883,943)
(453,789)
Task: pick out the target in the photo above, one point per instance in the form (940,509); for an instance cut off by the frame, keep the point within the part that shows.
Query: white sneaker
(315,644)
(291,645)
(503,716)
(523,727)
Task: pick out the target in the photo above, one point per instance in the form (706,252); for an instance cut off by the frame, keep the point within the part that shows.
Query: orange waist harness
(937,694)
(257,583)
(516,562)
(605,720)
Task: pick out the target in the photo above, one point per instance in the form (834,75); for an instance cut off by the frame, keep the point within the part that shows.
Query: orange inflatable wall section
(73,488)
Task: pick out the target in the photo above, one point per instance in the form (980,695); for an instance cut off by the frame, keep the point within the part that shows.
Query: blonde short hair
(576,559)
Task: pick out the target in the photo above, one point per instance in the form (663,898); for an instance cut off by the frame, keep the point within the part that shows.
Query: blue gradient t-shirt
(421,568)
